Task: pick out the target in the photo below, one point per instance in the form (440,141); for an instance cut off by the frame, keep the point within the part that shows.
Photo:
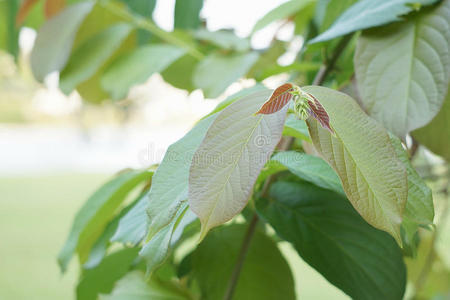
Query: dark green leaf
(187,13)
(143,8)
(264,276)
(134,286)
(329,234)
(95,214)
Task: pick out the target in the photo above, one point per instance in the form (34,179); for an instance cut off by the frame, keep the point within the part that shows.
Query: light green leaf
(230,158)
(310,168)
(333,9)
(55,38)
(368,13)
(216,72)
(329,235)
(265,274)
(296,128)
(9,32)
(283,11)
(187,14)
(132,226)
(419,207)
(169,191)
(361,153)
(138,65)
(403,70)
(91,55)
(436,135)
(102,278)
(225,39)
(134,286)
(95,214)
(143,8)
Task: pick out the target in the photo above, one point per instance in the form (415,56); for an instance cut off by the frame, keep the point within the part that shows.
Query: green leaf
(187,13)
(283,11)
(86,60)
(361,153)
(225,39)
(100,247)
(132,226)
(329,235)
(368,13)
(333,9)
(216,72)
(102,278)
(179,74)
(403,70)
(436,135)
(134,286)
(310,168)
(265,274)
(143,8)
(9,32)
(95,214)
(419,207)
(157,248)
(296,128)
(230,158)
(138,65)
(169,191)
(55,38)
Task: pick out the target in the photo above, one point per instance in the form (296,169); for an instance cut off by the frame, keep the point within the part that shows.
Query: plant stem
(241,258)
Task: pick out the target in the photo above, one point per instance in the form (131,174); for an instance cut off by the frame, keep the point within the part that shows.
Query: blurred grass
(35,217)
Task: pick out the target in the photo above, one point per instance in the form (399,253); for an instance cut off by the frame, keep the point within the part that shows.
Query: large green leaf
(187,14)
(368,13)
(91,55)
(216,72)
(95,214)
(102,278)
(228,161)
(138,66)
(333,9)
(55,38)
(436,135)
(283,11)
(419,207)
(310,168)
(265,274)
(328,233)
(134,286)
(403,70)
(179,74)
(362,155)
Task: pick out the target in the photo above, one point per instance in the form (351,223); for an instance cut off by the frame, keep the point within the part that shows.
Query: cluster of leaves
(350,204)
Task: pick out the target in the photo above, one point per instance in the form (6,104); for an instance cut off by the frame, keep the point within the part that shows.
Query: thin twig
(242,255)
(286,145)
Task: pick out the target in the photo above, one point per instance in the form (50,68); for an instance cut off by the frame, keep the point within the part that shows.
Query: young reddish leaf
(319,113)
(24,10)
(280,97)
(52,7)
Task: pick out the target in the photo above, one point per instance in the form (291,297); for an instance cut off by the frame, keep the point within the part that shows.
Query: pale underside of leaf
(230,158)
(403,70)
(374,180)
